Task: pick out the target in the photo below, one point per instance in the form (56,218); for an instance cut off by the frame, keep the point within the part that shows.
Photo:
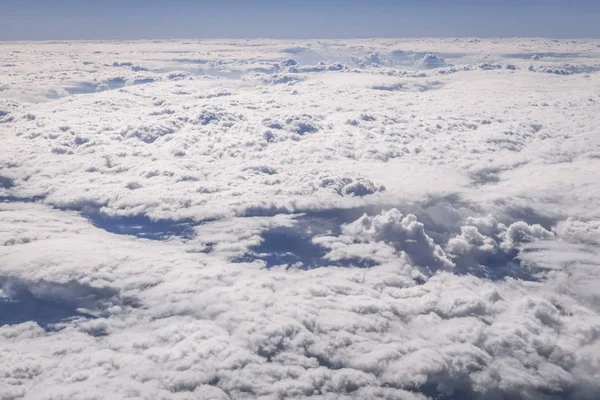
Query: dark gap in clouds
(496,266)
(190,60)
(100,86)
(19,199)
(139,225)
(49,303)
(407,55)
(442,217)
(324,362)
(409,87)
(289,246)
(295,50)
(531,216)
(462,389)
(433,390)
(209,247)
(142,226)
(333,218)
(263,211)
(82,88)
(527,56)
(363,56)
(6,183)
(485,176)
(27,307)
(564,69)
(173,51)
(329,217)
(93,87)
(293,246)
(116,82)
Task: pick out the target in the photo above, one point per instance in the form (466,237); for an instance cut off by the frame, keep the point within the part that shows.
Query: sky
(299,19)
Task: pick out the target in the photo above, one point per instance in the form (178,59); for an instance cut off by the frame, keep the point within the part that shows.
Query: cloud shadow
(142,226)
(48,303)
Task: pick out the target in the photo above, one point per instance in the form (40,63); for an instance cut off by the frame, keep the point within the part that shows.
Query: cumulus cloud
(404,233)
(431,61)
(346,186)
(214,219)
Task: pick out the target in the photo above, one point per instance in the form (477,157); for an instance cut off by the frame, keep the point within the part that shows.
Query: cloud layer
(360,219)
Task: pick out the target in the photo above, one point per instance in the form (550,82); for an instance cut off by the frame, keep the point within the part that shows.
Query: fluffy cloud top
(361,219)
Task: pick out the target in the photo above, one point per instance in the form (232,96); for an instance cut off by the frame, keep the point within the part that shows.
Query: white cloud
(442,225)
(404,233)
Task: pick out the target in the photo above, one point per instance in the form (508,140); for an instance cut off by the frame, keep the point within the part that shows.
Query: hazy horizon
(155,19)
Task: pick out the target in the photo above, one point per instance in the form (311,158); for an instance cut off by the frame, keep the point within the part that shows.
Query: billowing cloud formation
(388,219)
(402,232)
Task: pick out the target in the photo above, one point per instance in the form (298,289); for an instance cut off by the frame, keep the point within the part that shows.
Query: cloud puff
(481,239)
(219,221)
(404,233)
(431,61)
(346,186)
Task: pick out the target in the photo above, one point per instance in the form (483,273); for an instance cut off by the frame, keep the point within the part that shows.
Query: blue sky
(137,19)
